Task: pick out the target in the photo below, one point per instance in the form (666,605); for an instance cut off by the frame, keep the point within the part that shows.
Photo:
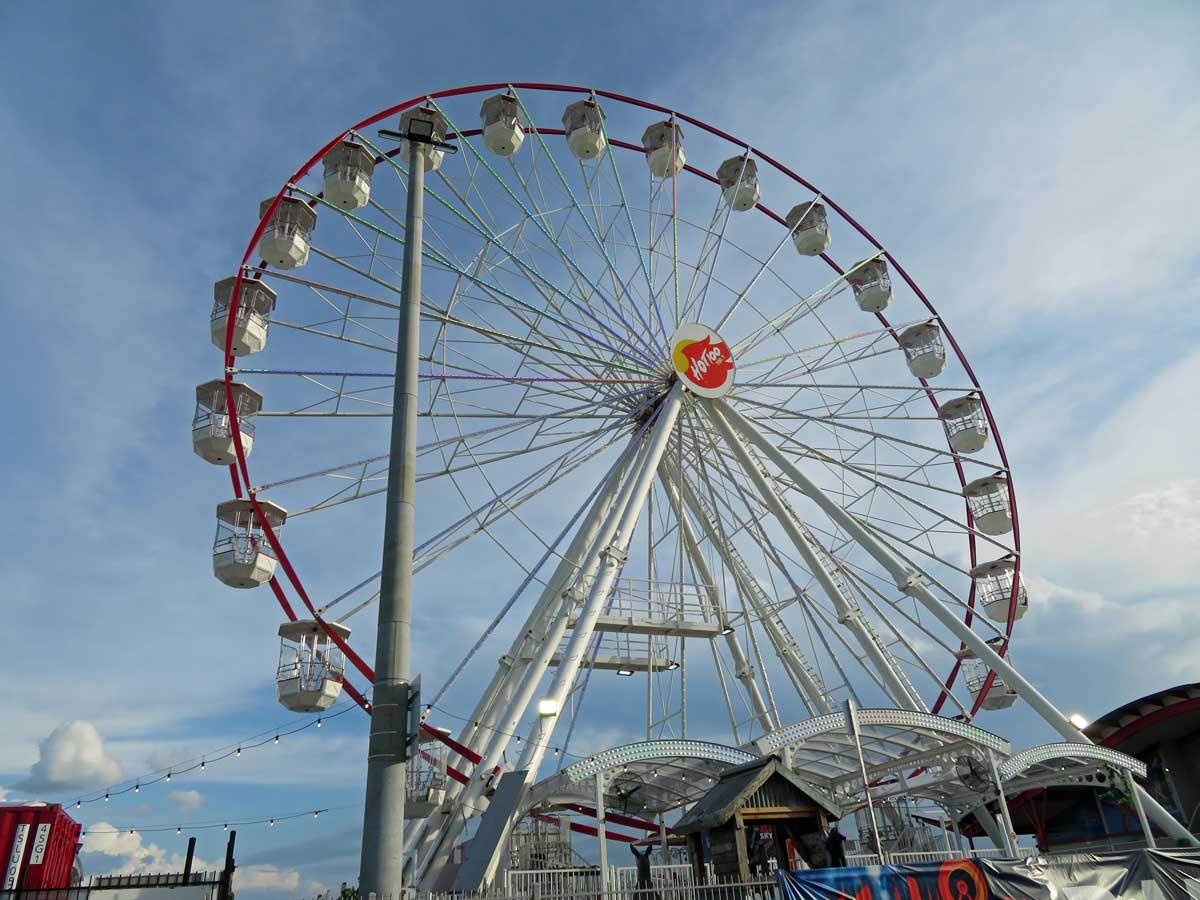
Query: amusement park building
(1163,731)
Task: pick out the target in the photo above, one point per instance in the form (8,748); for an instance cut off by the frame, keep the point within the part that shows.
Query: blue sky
(1033,166)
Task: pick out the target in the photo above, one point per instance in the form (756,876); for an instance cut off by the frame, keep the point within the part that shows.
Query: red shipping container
(37,846)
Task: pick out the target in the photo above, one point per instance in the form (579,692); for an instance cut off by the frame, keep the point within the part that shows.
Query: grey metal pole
(1006,822)
(381,869)
(602,832)
(1141,812)
(852,727)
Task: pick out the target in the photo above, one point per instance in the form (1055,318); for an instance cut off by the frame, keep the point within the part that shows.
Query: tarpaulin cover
(1133,875)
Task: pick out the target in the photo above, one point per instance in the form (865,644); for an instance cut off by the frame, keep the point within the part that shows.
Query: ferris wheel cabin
(809,224)
(212,434)
(988,500)
(1001,696)
(584,124)
(427,121)
(923,350)
(872,285)
(993,588)
(348,170)
(242,556)
(502,131)
(288,236)
(664,149)
(966,425)
(738,177)
(256,301)
(311,666)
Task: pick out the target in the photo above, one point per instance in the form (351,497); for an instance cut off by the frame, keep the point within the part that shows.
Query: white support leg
(602,528)
(848,612)
(612,559)
(496,697)
(911,582)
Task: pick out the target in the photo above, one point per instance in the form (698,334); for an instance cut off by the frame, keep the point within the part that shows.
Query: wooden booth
(756,811)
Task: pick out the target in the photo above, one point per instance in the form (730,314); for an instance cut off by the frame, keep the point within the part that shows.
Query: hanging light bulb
(272,823)
(137,788)
(131,831)
(227,826)
(277,739)
(78,804)
(168,776)
(106,797)
(316,812)
(318,722)
(179,831)
(556,751)
(201,765)
(239,752)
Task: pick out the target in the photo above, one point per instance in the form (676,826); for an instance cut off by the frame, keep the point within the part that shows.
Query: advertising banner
(1134,875)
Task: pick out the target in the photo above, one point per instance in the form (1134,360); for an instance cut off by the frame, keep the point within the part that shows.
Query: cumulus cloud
(130,856)
(72,756)
(186,801)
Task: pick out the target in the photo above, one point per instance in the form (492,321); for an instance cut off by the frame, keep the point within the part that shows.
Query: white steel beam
(848,612)
(911,581)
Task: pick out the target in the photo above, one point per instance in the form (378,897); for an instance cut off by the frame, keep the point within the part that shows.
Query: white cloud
(131,856)
(72,756)
(265,878)
(186,801)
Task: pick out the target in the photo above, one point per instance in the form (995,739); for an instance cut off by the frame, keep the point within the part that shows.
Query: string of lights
(183,767)
(269,821)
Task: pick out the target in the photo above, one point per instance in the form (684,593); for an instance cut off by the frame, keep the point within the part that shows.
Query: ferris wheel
(685,426)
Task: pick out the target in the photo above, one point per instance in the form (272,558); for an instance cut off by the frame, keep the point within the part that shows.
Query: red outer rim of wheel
(239,473)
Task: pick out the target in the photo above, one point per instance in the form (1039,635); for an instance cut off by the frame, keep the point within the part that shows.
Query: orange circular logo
(702,359)
(960,879)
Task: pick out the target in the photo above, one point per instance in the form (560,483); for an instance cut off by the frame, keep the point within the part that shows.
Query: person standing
(835,846)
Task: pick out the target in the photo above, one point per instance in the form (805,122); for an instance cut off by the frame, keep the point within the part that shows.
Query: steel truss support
(847,609)
(743,671)
(911,582)
(812,693)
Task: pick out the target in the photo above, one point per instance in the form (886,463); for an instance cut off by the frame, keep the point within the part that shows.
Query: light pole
(381,871)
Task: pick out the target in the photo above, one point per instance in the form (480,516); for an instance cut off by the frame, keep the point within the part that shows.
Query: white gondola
(502,131)
(923,350)
(872,285)
(988,500)
(242,556)
(810,222)
(738,177)
(288,236)
(993,588)
(212,436)
(1001,696)
(965,423)
(256,302)
(664,149)
(426,778)
(311,666)
(584,124)
(348,170)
